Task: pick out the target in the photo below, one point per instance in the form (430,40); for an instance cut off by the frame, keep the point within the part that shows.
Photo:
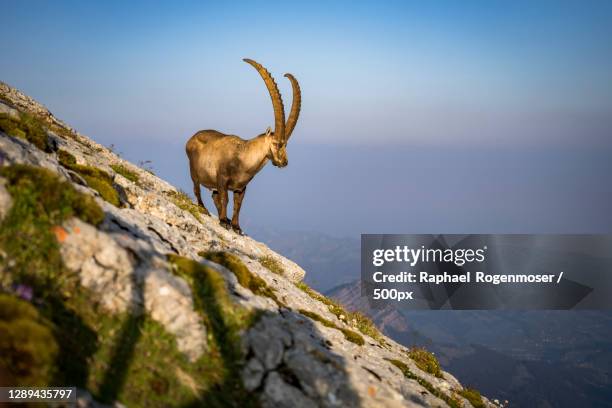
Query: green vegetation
(355,319)
(66,159)
(348,334)
(131,358)
(365,325)
(182,201)
(225,321)
(452,401)
(27,346)
(333,306)
(127,357)
(40,201)
(245,277)
(26,127)
(136,361)
(272,265)
(425,360)
(470,394)
(125,172)
(71,339)
(66,133)
(97,179)
(473,396)
(42,122)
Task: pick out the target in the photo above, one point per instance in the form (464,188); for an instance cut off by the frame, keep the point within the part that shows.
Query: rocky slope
(389,320)
(139,299)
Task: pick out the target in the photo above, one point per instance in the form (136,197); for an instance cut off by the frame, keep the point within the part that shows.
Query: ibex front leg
(198,194)
(238,196)
(220,200)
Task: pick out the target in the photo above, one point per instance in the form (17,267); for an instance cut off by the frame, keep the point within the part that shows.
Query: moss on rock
(182,201)
(41,200)
(97,179)
(451,400)
(473,396)
(125,172)
(26,127)
(225,322)
(425,360)
(27,346)
(350,335)
(245,277)
(272,265)
(355,319)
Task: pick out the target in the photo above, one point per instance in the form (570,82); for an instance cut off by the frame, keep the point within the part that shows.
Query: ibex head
(282,131)
(277,152)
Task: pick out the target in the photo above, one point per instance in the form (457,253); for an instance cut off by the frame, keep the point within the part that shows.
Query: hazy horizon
(417,116)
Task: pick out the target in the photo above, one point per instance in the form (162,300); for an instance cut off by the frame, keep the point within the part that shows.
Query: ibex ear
(268,131)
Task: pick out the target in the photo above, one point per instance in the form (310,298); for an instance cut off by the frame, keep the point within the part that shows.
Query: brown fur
(224,163)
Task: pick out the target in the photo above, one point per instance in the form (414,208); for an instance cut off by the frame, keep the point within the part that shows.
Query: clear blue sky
(441,116)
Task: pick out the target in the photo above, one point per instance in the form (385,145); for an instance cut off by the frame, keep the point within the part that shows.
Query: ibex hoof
(225,223)
(237,230)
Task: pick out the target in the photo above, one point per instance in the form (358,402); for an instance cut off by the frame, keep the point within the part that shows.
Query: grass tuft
(272,265)
(365,325)
(348,334)
(97,179)
(245,277)
(125,172)
(450,400)
(182,201)
(27,127)
(425,360)
(355,319)
(473,396)
(66,159)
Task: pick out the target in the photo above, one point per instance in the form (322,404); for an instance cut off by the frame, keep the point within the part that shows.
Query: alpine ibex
(223,163)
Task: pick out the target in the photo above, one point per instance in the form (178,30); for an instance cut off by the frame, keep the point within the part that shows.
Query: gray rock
(128,275)
(253,374)
(268,341)
(279,394)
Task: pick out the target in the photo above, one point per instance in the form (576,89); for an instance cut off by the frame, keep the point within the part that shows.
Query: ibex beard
(224,163)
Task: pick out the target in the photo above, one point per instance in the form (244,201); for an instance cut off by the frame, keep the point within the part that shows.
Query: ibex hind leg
(238,196)
(221,208)
(198,195)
